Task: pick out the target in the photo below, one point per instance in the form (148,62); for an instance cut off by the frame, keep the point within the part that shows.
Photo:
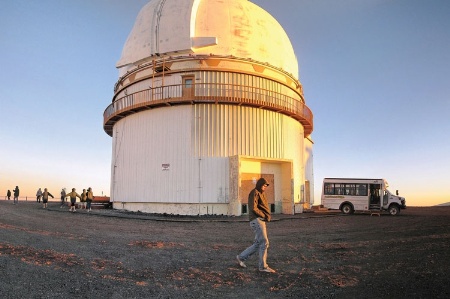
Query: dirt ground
(54,253)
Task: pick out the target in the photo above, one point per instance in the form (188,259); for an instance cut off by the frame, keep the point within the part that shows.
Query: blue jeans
(260,245)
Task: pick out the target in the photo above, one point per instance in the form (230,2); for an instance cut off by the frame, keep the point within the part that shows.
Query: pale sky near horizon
(375,73)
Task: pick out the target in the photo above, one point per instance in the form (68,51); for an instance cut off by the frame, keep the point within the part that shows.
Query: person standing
(45,196)
(73,199)
(83,199)
(259,214)
(8,194)
(89,198)
(16,195)
(63,196)
(38,195)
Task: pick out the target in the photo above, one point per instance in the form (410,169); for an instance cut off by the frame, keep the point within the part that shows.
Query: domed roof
(220,27)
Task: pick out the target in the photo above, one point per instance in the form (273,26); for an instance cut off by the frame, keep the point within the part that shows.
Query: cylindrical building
(208,100)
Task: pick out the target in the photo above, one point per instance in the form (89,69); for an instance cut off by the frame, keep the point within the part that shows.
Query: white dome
(219,27)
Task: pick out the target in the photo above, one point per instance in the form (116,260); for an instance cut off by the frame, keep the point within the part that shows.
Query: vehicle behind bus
(350,195)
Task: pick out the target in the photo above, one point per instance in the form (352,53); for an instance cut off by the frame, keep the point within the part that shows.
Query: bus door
(385,197)
(375,196)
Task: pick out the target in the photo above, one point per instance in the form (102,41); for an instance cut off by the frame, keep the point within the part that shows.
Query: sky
(375,73)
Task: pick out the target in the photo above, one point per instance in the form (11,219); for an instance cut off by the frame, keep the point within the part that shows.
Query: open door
(375,196)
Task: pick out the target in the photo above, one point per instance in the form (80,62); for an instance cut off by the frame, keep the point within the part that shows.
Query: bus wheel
(347,209)
(394,210)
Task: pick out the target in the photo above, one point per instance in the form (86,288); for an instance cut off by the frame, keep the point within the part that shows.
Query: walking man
(38,195)
(73,199)
(45,196)
(89,198)
(259,214)
(16,195)
(63,196)
(83,199)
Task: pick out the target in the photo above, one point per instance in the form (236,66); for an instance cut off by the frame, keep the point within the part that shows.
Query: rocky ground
(53,253)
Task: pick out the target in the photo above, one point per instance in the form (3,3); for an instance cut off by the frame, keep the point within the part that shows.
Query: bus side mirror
(396,192)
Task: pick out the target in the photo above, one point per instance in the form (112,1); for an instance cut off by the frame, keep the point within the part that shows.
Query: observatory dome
(236,28)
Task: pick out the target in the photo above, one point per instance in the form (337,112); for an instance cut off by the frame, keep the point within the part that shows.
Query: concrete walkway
(97,211)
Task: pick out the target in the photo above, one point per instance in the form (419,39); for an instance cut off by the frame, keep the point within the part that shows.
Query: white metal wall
(228,130)
(145,143)
(309,167)
(180,154)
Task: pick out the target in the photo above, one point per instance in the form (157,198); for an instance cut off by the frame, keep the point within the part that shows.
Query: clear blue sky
(375,73)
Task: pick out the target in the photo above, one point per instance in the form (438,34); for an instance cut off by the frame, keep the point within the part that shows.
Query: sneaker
(268,270)
(241,263)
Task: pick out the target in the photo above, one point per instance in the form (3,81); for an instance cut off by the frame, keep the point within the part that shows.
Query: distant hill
(443,204)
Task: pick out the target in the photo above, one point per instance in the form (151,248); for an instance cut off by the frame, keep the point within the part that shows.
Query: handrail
(217,93)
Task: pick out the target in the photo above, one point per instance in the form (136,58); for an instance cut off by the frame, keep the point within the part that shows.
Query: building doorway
(188,86)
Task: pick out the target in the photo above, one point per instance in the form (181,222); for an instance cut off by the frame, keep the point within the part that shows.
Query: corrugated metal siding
(243,85)
(144,141)
(309,167)
(228,130)
(196,140)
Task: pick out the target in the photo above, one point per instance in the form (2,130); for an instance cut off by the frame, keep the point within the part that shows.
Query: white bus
(350,195)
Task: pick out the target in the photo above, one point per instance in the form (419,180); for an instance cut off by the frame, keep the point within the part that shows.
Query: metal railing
(29,198)
(207,93)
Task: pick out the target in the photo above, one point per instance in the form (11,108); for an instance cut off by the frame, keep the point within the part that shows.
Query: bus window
(361,189)
(339,189)
(328,189)
(350,189)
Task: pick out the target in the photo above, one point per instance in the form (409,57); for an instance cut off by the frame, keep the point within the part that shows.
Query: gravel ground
(53,253)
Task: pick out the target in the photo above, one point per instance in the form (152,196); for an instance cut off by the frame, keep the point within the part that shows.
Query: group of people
(44,195)
(86,198)
(16,194)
